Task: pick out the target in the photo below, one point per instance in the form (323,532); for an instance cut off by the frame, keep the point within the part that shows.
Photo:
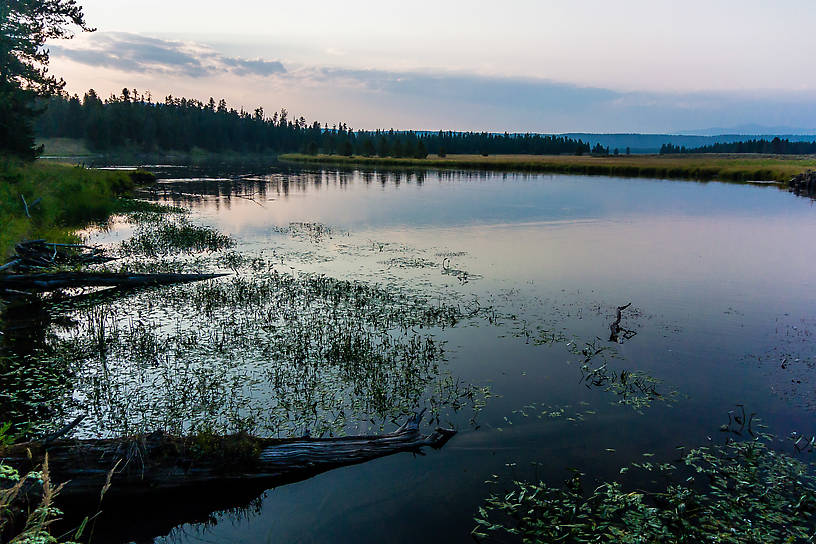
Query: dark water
(722,287)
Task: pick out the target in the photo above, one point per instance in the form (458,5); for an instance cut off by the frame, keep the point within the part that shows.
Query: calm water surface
(720,277)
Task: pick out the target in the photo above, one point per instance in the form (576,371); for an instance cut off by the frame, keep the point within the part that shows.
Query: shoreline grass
(741,168)
(61,199)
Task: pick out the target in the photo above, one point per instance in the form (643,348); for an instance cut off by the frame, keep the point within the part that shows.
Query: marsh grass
(266,352)
(169,234)
(737,168)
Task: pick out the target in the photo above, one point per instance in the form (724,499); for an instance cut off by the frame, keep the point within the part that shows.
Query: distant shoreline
(776,169)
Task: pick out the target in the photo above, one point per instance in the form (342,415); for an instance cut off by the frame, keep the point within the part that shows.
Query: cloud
(422,99)
(142,54)
(526,93)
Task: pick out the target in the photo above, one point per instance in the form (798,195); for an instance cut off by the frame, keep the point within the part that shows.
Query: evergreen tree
(181,124)
(25,25)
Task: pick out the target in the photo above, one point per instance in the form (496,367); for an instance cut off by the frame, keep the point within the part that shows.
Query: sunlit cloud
(143,54)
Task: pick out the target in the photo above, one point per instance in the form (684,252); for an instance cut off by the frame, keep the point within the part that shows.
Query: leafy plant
(742,492)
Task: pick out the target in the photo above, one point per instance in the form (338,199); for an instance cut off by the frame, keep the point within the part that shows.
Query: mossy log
(158,462)
(65,280)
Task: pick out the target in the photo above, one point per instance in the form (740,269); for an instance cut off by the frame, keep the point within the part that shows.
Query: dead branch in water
(34,254)
(618,333)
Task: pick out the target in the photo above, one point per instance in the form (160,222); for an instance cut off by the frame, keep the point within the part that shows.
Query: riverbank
(52,201)
(693,167)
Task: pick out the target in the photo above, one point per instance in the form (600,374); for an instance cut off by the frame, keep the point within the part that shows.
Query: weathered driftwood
(618,333)
(64,280)
(34,254)
(158,462)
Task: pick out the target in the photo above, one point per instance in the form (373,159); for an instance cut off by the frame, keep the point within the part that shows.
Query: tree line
(133,119)
(777,146)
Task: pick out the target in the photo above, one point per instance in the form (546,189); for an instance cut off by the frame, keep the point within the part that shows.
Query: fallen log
(63,280)
(158,462)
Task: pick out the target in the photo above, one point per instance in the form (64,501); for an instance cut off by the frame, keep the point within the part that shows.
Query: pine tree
(25,25)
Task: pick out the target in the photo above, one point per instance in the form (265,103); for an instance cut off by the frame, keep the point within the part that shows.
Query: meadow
(768,168)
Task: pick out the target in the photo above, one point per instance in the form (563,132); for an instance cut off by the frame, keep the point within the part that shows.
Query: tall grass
(693,167)
(70,197)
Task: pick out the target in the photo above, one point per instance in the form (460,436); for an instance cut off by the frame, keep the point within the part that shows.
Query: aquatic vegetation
(633,388)
(462,275)
(739,492)
(137,211)
(173,235)
(34,393)
(790,361)
(565,412)
(270,352)
(312,231)
(410,262)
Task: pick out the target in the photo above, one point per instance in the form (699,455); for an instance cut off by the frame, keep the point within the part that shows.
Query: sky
(517,65)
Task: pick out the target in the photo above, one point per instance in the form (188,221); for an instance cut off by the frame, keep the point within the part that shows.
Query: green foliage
(5,437)
(742,492)
(8,473)
(71,197)
(33,526)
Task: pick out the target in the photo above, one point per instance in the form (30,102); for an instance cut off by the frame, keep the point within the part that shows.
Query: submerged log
(158,462)
(64,280)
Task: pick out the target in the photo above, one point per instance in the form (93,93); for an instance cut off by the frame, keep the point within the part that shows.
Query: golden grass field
(697,167)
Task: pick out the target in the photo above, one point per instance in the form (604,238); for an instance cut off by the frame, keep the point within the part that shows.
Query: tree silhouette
(25,25)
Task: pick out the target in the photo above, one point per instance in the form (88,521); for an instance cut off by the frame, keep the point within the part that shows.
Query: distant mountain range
(650,143)
(750,129)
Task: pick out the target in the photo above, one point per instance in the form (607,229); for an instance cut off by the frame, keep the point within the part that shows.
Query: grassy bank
(70,197)
(696,167)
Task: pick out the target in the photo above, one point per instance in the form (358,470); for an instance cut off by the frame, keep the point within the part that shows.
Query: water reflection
(293,339)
